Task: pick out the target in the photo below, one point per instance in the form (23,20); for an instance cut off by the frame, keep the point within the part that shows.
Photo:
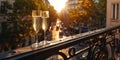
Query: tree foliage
(84,11)
(88,12)
(5,5)
(24,7)
(53,14)
(101,11)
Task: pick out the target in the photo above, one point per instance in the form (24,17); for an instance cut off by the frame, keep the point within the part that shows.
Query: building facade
(113,13)
(72,4)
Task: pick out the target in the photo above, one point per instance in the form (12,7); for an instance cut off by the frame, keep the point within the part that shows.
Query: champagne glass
(36,14)
(45,15)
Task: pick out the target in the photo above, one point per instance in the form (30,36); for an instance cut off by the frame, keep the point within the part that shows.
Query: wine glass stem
(44,37)
(36,38)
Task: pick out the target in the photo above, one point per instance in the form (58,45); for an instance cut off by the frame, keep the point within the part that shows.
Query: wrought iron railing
(102,44)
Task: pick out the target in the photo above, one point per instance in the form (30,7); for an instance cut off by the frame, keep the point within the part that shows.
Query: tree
(53,14)
(83,13)
(5,5)
(23,7)
(87,12)
(97,13)
(101,11)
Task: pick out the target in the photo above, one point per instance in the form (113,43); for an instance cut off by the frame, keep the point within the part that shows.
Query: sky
(58,4)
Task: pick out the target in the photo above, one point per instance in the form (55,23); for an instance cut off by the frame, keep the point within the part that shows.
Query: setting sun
(58,4)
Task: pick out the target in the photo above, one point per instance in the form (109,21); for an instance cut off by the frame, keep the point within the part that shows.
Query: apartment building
(72,4)
(113,13)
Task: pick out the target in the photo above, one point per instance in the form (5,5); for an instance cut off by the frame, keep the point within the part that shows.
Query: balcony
(101,44)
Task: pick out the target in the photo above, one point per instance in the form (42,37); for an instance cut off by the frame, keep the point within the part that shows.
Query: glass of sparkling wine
(36,14)
(45,15)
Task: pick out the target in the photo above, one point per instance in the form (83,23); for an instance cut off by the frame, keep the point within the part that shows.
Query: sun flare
(58,4)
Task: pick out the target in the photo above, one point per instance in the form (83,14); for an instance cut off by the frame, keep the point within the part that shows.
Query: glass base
(35,45)
(39,44)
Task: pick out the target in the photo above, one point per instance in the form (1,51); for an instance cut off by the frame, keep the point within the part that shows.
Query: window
(115,11)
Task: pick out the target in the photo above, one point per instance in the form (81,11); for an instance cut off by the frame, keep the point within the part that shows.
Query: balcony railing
(102,44)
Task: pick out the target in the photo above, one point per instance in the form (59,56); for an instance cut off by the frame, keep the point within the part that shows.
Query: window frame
(115,11)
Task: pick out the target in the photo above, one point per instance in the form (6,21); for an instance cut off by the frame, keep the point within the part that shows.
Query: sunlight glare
(58,4)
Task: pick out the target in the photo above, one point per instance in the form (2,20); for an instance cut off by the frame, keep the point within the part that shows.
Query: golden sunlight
(58,4)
